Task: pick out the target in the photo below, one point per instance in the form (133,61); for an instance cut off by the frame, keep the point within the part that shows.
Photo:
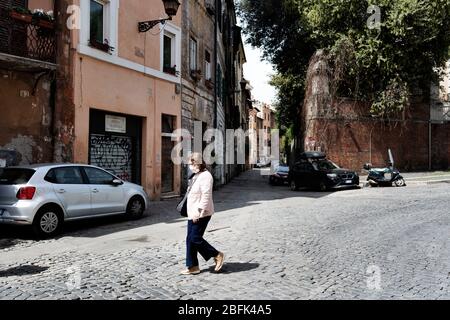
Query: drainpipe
(370,146)
(429,146)
(429,136)
(216,8)
(215,61)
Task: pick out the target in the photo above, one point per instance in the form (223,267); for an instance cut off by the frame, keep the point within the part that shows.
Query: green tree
(383,66)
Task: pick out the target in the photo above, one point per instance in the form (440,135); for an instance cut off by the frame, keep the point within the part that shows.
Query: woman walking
(200,208)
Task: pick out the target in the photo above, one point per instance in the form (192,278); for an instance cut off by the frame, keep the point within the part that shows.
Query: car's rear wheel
(135,208)
(48,222)
(294,185)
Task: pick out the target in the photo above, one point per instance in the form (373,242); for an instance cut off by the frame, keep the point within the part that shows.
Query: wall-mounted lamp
(171,8)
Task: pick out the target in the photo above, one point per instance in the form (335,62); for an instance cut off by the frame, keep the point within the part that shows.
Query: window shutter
(5,6)
(8,4)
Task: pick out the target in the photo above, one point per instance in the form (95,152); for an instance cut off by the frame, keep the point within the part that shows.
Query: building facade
(262,119)
(127,96)
(28,68)
(86,86)
(198,71)
(213,87)
(109,96)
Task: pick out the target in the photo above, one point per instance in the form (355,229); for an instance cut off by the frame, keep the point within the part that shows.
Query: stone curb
(365,184)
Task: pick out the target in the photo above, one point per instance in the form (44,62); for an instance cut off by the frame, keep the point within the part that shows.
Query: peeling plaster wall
(26,119)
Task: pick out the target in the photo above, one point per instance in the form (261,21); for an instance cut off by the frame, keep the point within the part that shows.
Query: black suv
(315,171)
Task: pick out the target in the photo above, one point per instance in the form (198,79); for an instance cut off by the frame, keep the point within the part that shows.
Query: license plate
(349,182)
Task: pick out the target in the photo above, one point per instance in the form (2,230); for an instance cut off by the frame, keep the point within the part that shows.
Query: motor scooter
(385,177)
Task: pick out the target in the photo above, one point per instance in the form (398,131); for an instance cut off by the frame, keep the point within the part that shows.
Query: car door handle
(95,191)
(61,191)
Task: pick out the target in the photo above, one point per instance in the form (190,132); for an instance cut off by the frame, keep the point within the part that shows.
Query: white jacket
(201,196)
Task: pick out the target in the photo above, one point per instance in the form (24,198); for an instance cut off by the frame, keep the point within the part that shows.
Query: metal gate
(113,153)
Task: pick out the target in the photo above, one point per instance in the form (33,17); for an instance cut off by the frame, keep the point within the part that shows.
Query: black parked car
(315,171)
(280,175)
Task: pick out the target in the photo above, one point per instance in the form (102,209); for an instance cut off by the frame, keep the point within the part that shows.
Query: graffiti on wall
(113,153)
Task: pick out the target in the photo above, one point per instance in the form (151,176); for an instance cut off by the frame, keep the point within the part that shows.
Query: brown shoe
(219,261)
(190,271)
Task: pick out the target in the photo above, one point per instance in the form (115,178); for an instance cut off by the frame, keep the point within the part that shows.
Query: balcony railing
(23,36)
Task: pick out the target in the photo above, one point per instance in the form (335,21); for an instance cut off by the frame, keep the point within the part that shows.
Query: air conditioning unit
(210,7)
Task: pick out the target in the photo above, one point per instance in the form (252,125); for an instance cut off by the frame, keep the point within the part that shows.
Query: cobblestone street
(390,243)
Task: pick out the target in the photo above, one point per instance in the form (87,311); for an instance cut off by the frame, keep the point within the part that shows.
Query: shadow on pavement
(22,271)
(234,267)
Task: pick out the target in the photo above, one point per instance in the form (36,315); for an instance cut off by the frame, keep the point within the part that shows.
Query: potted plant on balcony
(196,74)
(44,19)
(170,70)
(209,83)
(21,14)
(103,46)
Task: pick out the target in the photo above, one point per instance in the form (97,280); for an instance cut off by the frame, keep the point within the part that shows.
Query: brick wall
(352,141)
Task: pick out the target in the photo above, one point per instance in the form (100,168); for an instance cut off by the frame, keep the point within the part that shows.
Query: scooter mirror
(391,158)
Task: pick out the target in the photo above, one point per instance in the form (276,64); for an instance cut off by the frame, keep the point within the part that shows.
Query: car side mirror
(117,182)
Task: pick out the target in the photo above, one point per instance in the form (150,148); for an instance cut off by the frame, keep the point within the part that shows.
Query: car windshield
(12,176)
(324,165)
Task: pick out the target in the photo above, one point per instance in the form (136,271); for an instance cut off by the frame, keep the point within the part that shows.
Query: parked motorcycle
(385,177)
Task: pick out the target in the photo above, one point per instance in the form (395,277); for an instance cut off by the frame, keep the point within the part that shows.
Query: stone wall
(352,143)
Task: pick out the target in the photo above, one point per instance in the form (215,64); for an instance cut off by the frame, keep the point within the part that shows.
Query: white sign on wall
(115,124)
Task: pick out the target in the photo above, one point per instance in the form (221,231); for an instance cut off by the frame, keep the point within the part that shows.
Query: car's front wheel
(135,208)
(47,222)
(323,187)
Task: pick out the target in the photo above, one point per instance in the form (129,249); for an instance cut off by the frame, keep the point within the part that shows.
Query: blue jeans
(196,244)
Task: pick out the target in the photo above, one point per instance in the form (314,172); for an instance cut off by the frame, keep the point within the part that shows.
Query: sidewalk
(420,178)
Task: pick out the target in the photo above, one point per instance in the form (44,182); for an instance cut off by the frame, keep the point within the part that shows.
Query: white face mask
(194,169)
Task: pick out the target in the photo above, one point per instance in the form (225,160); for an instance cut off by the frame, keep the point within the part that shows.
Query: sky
(258,73)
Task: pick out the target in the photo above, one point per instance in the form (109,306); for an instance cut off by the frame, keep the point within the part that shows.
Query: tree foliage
(383,65)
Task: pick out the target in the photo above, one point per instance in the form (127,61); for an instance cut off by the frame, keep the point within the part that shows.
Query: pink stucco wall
(110,87)
(47,5)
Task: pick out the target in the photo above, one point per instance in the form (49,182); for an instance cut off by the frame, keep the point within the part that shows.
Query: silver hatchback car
(47,195)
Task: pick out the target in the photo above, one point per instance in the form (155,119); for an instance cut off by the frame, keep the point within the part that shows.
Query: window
(99,26)
(168,124)
(219,10)
(68,175)
(219,80)
(97,176)
(12,176)
(169,53)
(97,22)
(207,65)
(193,54)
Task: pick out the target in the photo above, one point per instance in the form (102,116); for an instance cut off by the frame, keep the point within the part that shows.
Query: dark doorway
(115,144)
(167,145)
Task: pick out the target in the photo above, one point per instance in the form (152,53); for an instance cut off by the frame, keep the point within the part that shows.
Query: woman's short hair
(197,159)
